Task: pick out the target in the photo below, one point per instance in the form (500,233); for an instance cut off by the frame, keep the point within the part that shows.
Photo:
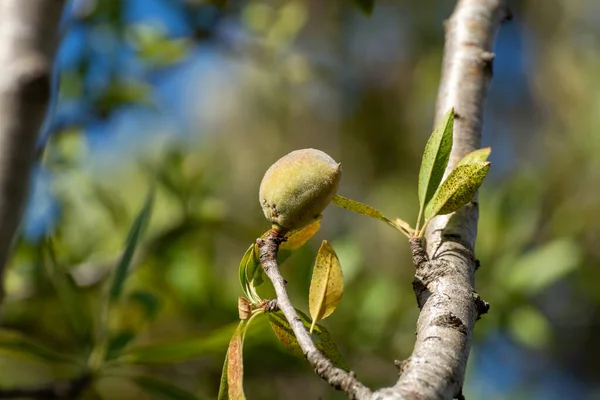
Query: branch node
(482,306)
(420,257)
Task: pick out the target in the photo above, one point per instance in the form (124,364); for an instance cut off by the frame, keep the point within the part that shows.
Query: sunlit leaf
(133,238)
(366,6)
(361,208)
(68,293)
(435,159)
(358,207)
(327,284)
(297,239)
(320,336)
(162,390)
(18,345)
(458,189)
(543,266)
(479,155)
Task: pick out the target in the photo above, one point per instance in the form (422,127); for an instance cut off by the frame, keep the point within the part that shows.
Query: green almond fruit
(298,187)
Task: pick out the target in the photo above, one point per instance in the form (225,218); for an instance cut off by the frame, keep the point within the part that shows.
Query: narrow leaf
(366,6)
(162,390)
(232,378)
(235,364)
(247,268)
(361,208)
(17,344)
(435,158)
(327,284)
(133,238)
(184,349)
(224,386)
(321,337)
(458,189)
(358,207)
(480,155)
(68,293)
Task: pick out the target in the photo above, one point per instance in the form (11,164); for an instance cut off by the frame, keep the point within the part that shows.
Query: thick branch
(56,390)
(336,377)
(28,36)
(444,281)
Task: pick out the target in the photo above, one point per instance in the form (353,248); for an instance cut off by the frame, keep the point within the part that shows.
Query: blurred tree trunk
(28,41)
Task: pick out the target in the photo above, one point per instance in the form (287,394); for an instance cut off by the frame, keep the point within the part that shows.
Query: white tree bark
(28,39)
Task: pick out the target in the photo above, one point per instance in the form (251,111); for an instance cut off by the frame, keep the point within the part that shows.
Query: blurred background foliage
(200,97)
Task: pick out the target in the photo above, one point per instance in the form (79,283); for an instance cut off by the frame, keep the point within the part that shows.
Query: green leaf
(435,159)
(327,284)
(133,238)
(162,390)
(366,6)
(457,190)
(16,344)
(543,266)
(224,386)
(185,348)
(320,336)
(68,293)
(248,270)
(479,155)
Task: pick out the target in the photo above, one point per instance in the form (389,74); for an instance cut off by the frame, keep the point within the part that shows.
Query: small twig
(336,377)
(64,390)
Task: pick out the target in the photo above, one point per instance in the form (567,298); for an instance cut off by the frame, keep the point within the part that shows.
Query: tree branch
(336,377)
(28,38)
(444,279)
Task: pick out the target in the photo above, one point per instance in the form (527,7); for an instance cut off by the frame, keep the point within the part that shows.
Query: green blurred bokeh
(286,75)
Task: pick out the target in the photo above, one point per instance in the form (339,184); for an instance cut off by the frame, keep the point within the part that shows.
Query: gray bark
(28,39)
(444,282)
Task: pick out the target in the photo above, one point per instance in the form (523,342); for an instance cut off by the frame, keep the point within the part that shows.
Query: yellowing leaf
(358,207)
(235,365)
(232,378)
(458,189)
(479,155)
(298,238)
(435,159)
(327,284)
(321,337)
(361,208)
